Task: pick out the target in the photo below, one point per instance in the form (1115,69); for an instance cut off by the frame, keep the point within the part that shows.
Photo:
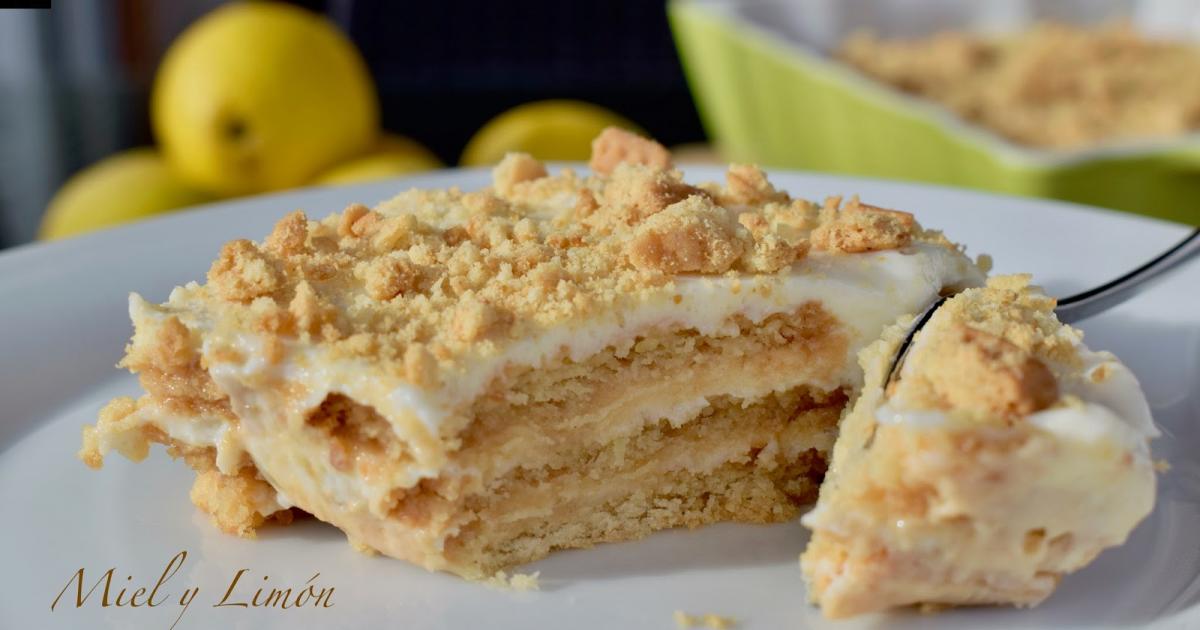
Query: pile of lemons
(263,96)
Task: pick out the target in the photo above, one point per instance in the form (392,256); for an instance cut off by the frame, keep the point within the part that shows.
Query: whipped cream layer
(864,292)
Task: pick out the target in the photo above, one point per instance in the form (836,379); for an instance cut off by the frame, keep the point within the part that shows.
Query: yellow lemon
(392,156)
(260,96)
(547,130)
(121,188)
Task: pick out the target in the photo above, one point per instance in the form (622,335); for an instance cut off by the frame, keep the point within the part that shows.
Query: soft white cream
(200,431)
(1110,405)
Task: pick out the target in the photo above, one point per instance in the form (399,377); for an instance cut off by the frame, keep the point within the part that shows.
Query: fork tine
(902,350)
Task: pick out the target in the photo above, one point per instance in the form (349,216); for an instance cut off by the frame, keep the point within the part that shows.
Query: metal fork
(1081,305)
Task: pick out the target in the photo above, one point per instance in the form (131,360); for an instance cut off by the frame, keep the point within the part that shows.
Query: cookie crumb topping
(433,275)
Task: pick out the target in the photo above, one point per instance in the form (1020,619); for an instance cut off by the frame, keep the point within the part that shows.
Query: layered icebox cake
(471,380)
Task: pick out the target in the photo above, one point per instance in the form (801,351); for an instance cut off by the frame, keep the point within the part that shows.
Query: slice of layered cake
(470,380)
(1003,455)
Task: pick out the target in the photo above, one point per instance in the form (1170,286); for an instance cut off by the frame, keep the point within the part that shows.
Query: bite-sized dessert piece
(469,381)
(1054,86)
(1006,455)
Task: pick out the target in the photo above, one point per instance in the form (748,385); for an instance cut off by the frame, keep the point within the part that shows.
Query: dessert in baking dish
(1053,86)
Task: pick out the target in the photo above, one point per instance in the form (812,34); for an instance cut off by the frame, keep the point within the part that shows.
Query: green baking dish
(767,95)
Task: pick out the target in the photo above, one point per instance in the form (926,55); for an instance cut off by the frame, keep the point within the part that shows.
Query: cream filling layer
(200,431)
(865,292)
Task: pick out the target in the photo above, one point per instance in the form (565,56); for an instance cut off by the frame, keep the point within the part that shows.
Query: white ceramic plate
(63,324)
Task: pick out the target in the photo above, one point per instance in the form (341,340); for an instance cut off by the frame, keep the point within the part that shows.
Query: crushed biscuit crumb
(986,374)
(693,235)
(985,354)
(520,582)
(514,169)
(350,216)
(390,276)
(289,237)
(859,227)
(747,184)
(616,146)
(242,272)
(707,620)
(635,193)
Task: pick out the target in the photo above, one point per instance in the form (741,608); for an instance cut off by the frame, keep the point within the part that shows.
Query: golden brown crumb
(393,233)
(475,319)
(242,273)
(634,193)
(771,253)
(350,216)
(419,366)
(755,223)
(366,224)
(984,374)
(387,277)
(236,503)
(586,205)
(519,582)
(89,451)
(614,146)
(525,581)
(693,235)
(172,349)
(118,412)
(514,169)
(213,492)
(984,354)
(717,622)
(863,228)
(707,620)
(777,243)
(289,236)
(747,185)
(310,312)
(481,205)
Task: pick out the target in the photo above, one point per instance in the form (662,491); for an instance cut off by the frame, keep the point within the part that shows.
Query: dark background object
(74,80)
(444,69)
